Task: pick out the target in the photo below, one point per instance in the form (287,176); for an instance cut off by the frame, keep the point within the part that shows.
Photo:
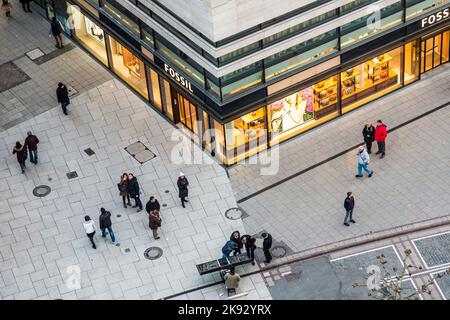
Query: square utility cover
(34,54)
(140,152)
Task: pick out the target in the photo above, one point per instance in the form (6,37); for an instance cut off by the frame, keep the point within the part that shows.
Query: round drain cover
(278,252)
(41,191)
(153,253)
(233,213)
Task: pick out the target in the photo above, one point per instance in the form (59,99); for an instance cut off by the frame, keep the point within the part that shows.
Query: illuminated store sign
(178,78)
(435,18)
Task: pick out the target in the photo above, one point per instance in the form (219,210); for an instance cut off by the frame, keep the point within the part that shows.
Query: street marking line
(438,286)
(413,241)
(363,252)
(420,255)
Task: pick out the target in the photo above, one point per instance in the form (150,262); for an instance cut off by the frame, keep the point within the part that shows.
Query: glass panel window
(303,109)
(122,16)
(423,7)
(147,36)
(412,59)
(168,100)
(371,29)
(241,85)
(308,24)
(302,59)
(192,72)
(155,93)
(371,79)
(89,35)
(219,142)
(355,5)
(245,136)
(128,67)
(234,55)
(445,46)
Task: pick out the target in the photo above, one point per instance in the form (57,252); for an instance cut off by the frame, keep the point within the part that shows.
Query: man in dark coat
(182,184)
(63,96)
(21,152)
(369,136)
(152,205)
(31,143)
(250,246)
(349,204)
(105,223)
(267,244)
(26,5)
(134,192)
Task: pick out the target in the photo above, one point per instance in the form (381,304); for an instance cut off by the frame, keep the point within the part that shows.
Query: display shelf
(325,87)
(374,64)
(347,77)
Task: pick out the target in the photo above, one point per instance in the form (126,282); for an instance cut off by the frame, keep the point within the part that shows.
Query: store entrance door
(434,51)
(187,112)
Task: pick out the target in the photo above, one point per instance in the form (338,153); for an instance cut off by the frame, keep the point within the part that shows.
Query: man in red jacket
(380,138)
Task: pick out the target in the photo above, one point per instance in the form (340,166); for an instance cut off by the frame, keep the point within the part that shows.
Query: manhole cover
(72,175)
(233,213)
(89,151)
(71,91)
(41,191)
(278,252)
(153,253)
(34,54)
(292,276)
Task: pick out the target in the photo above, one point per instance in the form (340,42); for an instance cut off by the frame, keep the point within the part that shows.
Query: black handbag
(159,222)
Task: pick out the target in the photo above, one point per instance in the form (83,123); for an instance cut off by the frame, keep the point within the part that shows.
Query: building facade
(243,76)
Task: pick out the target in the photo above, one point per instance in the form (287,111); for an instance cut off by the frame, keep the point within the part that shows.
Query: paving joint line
(338,155)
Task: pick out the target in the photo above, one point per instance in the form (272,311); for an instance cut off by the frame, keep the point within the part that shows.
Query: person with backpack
(21,152)
(62,94)
(123,190)
(56,30)
(31,143)
(154,222)
(380,138)
(105,223)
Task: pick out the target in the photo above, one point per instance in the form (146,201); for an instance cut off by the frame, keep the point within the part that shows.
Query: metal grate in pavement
(55,53)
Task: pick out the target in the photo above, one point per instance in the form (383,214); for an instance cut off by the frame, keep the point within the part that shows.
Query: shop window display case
(325,97)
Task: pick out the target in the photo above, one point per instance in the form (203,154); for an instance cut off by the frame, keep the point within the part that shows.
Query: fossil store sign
(435,18)
(178,78)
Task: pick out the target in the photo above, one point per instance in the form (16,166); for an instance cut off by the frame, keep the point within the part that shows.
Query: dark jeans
(348,216)
(111,234)
(381,147)
(127,198)
(22,166)
(183,200)
(369,147)
(250,252)
(137,201)
(64,106)
(33,156)
(8,13)
(91,237)
(268,255)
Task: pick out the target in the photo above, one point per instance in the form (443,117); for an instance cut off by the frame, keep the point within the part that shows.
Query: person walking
(369,136)
(250,245)
(89,227)
(236,237)
(21,152)
(152,205)
(7,7)
(232,280)
(123,190)
(31,143)
(26,5)
(133,190)
(380,138)
(154,222)
(56,30)
(62,95)
(183,185)
(363,162)
(105,223)
(267,244)
(349,204)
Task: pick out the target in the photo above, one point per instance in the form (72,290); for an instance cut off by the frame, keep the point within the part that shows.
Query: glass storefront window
(122,16)
(355,5)
(147,36)
(167,100)
(303,109)
(153,84)
(245,136)
(423,7)
(241,85)
(372,79)
(219,142)
(89,35)
(234,55)
(412,60)
(127,66)
(300,60)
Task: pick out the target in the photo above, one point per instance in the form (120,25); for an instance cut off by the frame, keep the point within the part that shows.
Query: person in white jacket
(363,162)
(89,226)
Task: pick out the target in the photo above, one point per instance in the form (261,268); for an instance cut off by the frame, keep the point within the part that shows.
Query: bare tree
(386,284)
